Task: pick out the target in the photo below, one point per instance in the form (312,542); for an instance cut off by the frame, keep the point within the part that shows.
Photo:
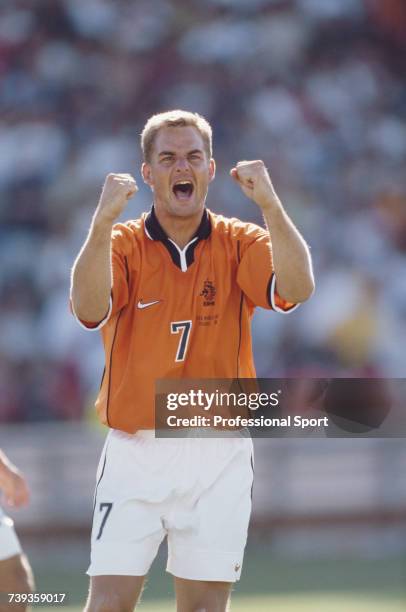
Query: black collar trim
(181,258)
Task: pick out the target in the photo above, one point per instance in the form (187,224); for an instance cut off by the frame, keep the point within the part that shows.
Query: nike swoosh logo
(142,304)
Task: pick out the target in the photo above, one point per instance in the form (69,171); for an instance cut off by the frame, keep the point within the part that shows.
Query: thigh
(114,593)
(15,577)
(201,596)
(126,535)
(15,571)
(127,525)
(207,533)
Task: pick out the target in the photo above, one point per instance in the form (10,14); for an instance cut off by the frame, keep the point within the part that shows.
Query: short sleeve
(121,248)
(256,276)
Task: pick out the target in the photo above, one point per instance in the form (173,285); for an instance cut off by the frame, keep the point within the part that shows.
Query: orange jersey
(180,313)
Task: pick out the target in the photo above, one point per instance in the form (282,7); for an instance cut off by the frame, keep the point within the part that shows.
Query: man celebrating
(174,293)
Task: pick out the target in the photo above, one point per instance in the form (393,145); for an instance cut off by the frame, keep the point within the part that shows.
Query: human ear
(146,174)
(212,169)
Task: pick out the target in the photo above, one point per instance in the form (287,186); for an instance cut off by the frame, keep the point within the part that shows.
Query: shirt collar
(155,231)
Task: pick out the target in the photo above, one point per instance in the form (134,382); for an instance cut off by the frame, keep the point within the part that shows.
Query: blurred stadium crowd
(314,87)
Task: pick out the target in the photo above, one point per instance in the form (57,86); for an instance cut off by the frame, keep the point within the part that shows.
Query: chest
(203,290)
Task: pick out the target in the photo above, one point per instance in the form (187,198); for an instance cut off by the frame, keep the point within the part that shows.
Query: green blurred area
(268,583)
(298,603)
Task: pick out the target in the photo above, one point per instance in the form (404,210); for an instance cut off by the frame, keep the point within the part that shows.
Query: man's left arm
(290,254)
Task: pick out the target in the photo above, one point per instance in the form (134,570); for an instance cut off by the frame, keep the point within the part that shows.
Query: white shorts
(9,543)
(195,491)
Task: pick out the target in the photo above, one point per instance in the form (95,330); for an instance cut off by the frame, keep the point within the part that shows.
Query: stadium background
(315,88)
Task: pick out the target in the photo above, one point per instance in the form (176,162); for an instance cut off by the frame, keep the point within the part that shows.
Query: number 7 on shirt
(182,327)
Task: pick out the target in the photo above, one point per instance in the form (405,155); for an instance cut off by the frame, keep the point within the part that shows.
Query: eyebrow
(194,151)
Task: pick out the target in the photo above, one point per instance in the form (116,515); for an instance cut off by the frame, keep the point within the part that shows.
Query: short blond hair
(175,118)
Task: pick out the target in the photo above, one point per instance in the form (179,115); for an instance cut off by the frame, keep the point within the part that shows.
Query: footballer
(173,293)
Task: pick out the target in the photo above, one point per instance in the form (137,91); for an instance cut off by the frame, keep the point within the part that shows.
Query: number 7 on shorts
(107,506)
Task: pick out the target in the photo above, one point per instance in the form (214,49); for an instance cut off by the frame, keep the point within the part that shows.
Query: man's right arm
(91,274)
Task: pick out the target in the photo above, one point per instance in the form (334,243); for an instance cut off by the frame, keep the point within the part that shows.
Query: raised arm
(91,274)
(290,253)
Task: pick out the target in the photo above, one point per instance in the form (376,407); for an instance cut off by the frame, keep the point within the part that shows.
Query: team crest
(208,293)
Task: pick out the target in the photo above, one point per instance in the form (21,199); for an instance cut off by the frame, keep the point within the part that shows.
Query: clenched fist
(117,190)
(255,182)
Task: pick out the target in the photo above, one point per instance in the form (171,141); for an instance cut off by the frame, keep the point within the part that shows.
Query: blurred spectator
(314,88)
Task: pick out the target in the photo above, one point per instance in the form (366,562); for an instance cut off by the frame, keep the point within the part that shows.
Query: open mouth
(183,189)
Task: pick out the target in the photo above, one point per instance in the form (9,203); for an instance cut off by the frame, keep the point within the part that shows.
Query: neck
(179,229)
